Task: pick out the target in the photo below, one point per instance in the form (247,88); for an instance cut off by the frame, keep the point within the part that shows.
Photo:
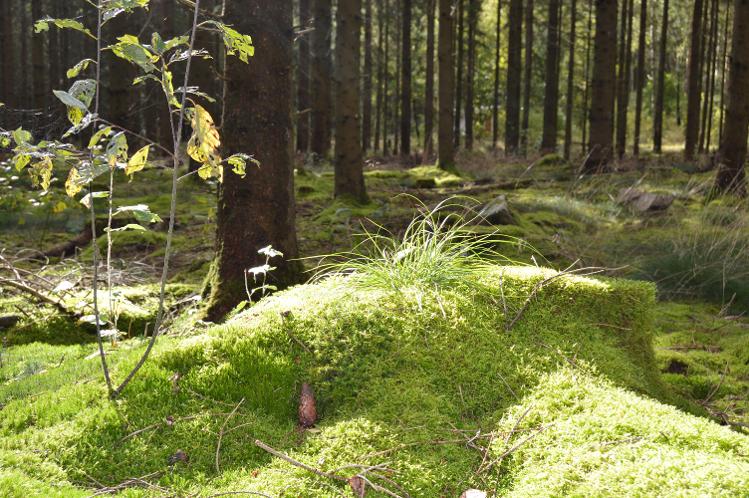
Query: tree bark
(731,176)
(570,82)
(603,87)
(368,77)
(446,148)
(640,78)
(473,17)
(528,76)
(459,71)
(386,80)
(586,90)
(660,84)
(512,106)
(551,90)
(303,79)
(259,209)
(429,84)
(349,163)
(39,88)
(7,60)
(623,84)
(405,124)
(322,103)
(723,70)
(713,64)
(693,83)
(497,49)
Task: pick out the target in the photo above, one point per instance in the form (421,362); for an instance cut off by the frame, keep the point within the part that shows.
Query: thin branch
(221,434)
(297,463)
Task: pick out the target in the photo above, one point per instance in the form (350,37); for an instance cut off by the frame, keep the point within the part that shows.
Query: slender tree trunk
(527,75)
(625,69)
(731,176)
(53,50)
(386,80)
(473,17)
(586,91)
(380,74)
(693,83)
(322,101)
(713,66)
(39,89)
(551,92)
(660,84)
(600,146)
(514,50)
(446,147)
(497,49)
(398,77)
(570,83)
(368,76)
(7,59)
(708,70)
(24,71)
(459,69)
(303,79)
(406,80)
(429,83)
(707,44)
(259,209)
(640,78)
(723,70)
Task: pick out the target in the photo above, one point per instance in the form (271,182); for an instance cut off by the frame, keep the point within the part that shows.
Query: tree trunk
(405,125)
(446,148)
(119,76)
(660,84)
(514,50)
(731,176)
(380,75)
(398,79)
(349,163)
(497,49)
(459,74)
(640,78)
(586,91)
(259,209)
(322,101)
(473,17)
(603,87)
(429,84)
(625,69)
(570,83)
(551,90)
(724,63)
(39,89)
(707,44)
(713,64)
(386,80)
(528,75)
(53,36)
(7,60)
(693,83)
(368,76)
(303,79)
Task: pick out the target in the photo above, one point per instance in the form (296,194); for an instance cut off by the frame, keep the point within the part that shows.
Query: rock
(8,321)
(643,202)
(497,212)
(425,183)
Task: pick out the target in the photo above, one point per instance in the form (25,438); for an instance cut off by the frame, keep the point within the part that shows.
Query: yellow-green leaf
(137,162)
(73,184)
(204,143)
(41,172)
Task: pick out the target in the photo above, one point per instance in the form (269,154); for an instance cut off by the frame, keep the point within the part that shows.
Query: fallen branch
(297,463)
(221,433)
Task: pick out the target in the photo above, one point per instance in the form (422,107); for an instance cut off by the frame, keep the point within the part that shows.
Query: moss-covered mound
(424,393)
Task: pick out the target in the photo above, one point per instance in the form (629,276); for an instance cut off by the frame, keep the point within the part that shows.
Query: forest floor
(647,221)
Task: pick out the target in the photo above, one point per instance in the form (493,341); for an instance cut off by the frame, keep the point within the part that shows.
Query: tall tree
(445,143)
(349,162)
(512,106)
(660,83)
(570,82)
(708,127)
(551,91)
(429,83)
(527,76)
(640,77)
(731,176)
(625,69)
(7,56)
(586,91)
(259,209)
(39,89)
(603,87)
(473,18)
(381,61)
(303,79)
(322,103)
(497,51)
(723,70)
(386,78)
(368,77)
(694,78)
(405,125)
(459,71)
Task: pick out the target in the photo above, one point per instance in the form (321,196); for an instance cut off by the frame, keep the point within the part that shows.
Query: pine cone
(307,409)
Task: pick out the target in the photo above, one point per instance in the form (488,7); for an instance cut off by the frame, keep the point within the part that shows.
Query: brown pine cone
(307,408)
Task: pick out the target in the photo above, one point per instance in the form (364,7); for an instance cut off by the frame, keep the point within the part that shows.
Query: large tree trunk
(446,148)
(259,209)
(349,163)
(551,91)
(527,76)
(731,176)
(514,50)
(660,84)
(570,83)
(625,69)
(693,83)
(600,145)
(713,62)
(497,49)
(303,79)
(322,101)
(640,78)
(405,125)
(429,84)
(473,18)
(368,77)
(459,71)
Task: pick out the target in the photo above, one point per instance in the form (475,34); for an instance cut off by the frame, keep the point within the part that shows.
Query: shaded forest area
(470,248)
